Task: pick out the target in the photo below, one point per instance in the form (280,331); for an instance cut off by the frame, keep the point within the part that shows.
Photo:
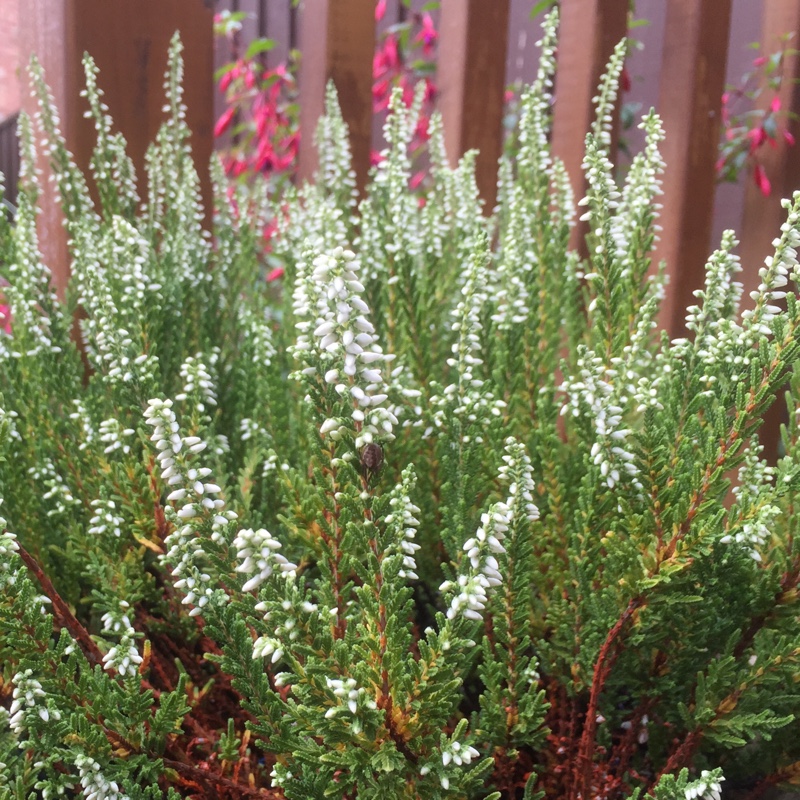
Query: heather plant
(447,518)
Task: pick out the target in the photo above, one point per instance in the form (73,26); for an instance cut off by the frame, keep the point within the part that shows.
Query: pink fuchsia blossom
(761,179)
(428,35)
(5,318)
(380,10)
(275,274)
(757,137)
(224,121)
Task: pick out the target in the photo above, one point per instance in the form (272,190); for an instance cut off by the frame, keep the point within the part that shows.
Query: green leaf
(259,46)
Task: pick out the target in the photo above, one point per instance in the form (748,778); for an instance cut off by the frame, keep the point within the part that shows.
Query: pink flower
(275,274)
(788,137)
(427,35)
(762,181)
(757,137)
(224,121)
(775,105)
(5,318)
(380,10)
(625,80)
(760,61)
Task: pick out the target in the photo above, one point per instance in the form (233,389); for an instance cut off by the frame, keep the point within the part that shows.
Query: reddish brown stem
(64,617)
(682,756)
(202,777)
(602,668)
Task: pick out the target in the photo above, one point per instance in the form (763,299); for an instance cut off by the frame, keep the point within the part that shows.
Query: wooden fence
(9,157)
(692,48)
(483,45)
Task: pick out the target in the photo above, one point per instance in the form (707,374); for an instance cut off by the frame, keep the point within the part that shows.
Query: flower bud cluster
(635,217)
(454,754)
(105,518)
(707,787)
(776,272)
(483,571)
(81,415)
(124,656)
(517,471)
(26,702)
(536,102)
(466,396)
(112,332)
(95,785)
(197,382)
(403,519)
(756,517)
(8,547)
(333,324)
(258,552)
(57,489)
(606,99)
(594,392)
(28,291)
(111,433)
(199,504)
(348,699)
(268,646)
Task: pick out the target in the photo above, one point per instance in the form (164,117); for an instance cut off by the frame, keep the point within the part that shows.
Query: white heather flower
(752,526)
(198,383)
(349,698)
(106,518)
(95,785)
(8,545)
(268,646)
(257,550)
(124,656)
(403,523)
(776,272)
(706,787)
(516,470)
(337,341)
(26,701)
(189,486)
(458,754)
(470,589)
(598,393)
(81,415)
(57,489)
(467,397)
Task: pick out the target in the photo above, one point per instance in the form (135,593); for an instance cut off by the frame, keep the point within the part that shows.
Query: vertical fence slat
(692,81)
(250,24)
(763,216)
(9,158)
(471,76)
(337,38)
(588,33)
(278,16)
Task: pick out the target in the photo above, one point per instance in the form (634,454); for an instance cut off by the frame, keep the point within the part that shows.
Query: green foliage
(440,516)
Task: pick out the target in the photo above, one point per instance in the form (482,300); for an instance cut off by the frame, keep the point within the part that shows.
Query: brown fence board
(763,216)
(338,42)
(9,158)
(692,81)
(471,77)
(589,32)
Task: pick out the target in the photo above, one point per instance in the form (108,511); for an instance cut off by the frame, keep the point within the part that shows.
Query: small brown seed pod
(372,457)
